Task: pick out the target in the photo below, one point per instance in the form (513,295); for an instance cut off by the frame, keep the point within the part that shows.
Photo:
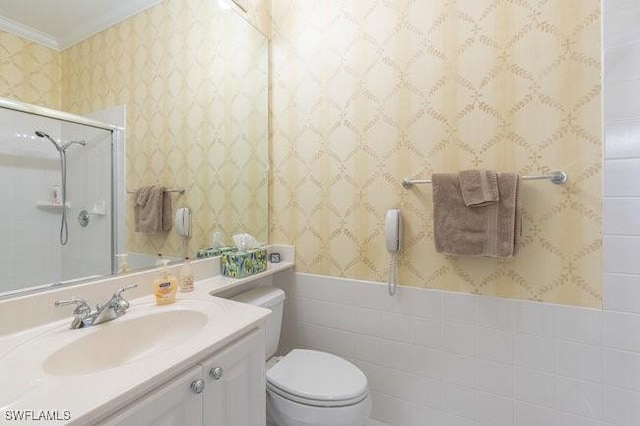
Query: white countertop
(220,283)
(26,385)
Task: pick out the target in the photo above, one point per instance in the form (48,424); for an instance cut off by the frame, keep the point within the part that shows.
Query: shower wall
(29,167)
(88,251)
(30,250)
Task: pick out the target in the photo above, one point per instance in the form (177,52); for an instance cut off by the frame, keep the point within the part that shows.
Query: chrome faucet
(80,313)
(84,316)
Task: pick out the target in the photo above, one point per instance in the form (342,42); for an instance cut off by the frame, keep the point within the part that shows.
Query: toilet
(307,387)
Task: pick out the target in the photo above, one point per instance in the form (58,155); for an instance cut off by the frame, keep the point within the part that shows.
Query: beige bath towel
(152,210)
(492,230)
(479,187)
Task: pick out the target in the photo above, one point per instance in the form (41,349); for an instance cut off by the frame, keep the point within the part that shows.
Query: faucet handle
(120,304)
(119,292)
(82,307)
(81,313)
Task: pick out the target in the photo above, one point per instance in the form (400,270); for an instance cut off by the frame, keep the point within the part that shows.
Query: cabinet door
(235,384)
(175,403)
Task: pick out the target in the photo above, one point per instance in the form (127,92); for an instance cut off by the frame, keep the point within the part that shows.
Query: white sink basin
(95,370)
(123,341)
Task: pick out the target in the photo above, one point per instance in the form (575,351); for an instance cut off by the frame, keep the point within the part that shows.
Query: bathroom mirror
(189,79)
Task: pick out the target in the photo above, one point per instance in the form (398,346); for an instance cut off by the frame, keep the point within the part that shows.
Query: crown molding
(28,33)
(79,32)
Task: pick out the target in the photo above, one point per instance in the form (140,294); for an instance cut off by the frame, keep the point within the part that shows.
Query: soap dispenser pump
(165,286)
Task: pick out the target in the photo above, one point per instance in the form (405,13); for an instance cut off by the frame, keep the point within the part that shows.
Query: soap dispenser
(165,286)
(186,276)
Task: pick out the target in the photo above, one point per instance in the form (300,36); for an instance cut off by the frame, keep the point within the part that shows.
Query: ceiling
(59,24)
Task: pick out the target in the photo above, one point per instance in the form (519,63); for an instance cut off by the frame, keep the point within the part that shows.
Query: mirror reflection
(187,82)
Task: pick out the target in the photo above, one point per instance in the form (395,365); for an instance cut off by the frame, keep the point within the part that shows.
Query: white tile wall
(622,135)
(531,415)
(620,100)
(620,351)
(622,292)
(622,217)
(621,254)
(534,387)
(620,176)
(620,21)
(476,360)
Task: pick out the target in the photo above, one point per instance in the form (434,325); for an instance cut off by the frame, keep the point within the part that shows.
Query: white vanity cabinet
(235,381)
(172,404)
(227,389)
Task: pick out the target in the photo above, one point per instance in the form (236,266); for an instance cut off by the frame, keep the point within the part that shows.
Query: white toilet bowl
(282,412)
(312,388)
(305,387)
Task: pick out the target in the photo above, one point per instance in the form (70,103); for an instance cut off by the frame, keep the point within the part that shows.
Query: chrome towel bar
(555,177)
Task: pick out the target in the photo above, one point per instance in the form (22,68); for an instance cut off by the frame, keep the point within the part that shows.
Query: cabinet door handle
(216,373)
(197,386)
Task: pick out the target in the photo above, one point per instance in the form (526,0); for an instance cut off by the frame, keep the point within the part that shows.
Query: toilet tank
(271,298)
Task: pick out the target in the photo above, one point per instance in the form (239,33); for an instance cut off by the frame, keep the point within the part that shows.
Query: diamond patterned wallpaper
(29,72)
(194,80)
(366,93)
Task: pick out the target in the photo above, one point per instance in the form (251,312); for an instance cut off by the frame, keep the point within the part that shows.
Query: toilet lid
(317,376)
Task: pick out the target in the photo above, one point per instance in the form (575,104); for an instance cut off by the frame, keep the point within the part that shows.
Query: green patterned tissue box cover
(211,252)
(243,264)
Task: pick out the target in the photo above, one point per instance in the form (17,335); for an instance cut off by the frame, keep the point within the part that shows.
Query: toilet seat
(316,402)
(317,379)
(284,412)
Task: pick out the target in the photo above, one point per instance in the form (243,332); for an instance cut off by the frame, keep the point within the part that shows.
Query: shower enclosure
(40,150)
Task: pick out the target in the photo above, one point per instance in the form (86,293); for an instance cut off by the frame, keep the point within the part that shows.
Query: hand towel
(479,187)
(152,211)
(492,230)
(167,219)
(142,195)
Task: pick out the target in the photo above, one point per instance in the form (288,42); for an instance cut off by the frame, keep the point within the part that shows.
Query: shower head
(41,134)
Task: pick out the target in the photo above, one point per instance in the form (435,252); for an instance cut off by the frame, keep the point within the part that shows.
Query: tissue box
(243,264)
(211,252)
